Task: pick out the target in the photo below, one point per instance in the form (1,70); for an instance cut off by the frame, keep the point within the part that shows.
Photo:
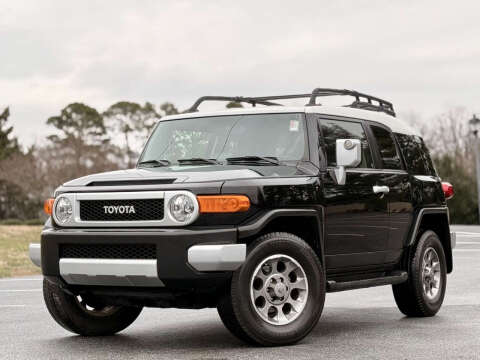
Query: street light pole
(476,143)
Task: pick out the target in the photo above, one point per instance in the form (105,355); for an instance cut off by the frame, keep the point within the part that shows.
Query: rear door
(356,218)
(392,174)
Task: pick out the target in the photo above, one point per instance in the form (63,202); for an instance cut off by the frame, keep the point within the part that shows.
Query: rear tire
(422,295)
(277,295)
(86,316)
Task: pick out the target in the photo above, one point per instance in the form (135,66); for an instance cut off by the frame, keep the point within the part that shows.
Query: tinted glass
(335,129)
(386,146)
(416,155)
(277,135)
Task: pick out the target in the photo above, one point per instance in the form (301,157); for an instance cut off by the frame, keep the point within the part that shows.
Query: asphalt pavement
(360,324)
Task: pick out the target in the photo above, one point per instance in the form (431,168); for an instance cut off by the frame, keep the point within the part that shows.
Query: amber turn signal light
(48,206)
(223,203)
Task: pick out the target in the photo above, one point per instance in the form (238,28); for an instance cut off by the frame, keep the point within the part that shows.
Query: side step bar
(397,277)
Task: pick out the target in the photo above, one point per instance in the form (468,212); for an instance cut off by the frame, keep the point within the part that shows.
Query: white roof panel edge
(395,124)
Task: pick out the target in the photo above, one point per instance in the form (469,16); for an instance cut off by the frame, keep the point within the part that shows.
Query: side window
(387,148)
(416,155)
(336,129)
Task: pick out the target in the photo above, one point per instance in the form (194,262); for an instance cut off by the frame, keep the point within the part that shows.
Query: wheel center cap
(280,289)
(277,290)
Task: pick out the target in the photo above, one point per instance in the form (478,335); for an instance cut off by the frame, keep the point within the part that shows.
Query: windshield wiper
(198,161)
(154,163)
(270,160)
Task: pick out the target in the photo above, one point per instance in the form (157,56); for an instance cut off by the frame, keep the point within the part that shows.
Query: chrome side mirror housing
(349,154)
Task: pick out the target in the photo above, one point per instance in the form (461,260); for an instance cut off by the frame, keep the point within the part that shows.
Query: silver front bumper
(140,272)
(34,251)
(110,272)
(226,257)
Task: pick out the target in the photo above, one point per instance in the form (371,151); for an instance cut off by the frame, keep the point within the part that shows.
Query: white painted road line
(467,234)
(468,242)
(466,250)
(9,280)
(21,290)
(12,306)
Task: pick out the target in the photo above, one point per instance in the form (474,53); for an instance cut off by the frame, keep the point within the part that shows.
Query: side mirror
(349,154)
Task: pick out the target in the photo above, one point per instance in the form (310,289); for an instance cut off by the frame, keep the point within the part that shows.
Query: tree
(131,122)
(168,109)
(463,206)
(8,145)
(79,121)
(450,144)
(81,145)
(22,186)
(16,201)
(448,134)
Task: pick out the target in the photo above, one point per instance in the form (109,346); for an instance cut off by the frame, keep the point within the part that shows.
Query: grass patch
(22,222)
(14,241)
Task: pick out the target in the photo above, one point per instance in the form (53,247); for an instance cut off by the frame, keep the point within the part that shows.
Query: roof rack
(362,101)
(359,103)
(239,99)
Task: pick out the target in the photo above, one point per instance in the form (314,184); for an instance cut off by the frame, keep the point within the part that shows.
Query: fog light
(63,210)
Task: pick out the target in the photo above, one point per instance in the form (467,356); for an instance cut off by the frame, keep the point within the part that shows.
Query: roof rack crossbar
(362,101)
(282,97)
(293,96)
(239,99)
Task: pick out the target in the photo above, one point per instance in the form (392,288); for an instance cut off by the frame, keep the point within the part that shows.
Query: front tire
(422,295)
(86,317)
(277,295)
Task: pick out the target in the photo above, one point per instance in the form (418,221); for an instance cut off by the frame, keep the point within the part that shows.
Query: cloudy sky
(424,56)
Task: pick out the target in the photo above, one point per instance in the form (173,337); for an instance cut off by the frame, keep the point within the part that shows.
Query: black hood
(188,174)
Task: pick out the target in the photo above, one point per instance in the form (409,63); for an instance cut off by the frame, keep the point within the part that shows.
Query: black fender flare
(258,224)
(446,242)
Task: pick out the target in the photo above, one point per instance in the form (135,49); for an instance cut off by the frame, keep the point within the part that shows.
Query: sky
(424,56)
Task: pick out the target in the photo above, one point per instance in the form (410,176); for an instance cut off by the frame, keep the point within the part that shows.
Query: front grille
(103,251)
(121,210)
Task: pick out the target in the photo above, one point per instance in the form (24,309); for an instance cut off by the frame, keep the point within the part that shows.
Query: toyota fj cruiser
(256,211)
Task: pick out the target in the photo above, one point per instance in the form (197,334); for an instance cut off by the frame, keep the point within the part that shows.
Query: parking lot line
(21,290)
(15,280)
(467,234)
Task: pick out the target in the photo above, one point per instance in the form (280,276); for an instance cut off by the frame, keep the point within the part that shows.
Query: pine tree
(8,145)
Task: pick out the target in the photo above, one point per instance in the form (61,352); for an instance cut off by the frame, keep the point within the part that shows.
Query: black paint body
(356,233)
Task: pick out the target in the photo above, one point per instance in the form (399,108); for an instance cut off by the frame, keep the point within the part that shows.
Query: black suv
(257,212)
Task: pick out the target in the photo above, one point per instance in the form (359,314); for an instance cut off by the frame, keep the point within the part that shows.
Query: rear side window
(416,155)
(337,129)
(386,146)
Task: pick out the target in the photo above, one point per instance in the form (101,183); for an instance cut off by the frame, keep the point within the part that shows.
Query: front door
(356,219)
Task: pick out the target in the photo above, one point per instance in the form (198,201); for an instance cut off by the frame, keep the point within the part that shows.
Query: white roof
(395,124)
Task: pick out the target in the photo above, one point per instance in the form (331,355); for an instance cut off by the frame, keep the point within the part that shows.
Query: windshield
(281,136)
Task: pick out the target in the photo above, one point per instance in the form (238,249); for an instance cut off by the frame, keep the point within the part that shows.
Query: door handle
(381,189)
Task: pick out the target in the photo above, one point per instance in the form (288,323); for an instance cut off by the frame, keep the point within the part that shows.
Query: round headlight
(182,208)
(63,210)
